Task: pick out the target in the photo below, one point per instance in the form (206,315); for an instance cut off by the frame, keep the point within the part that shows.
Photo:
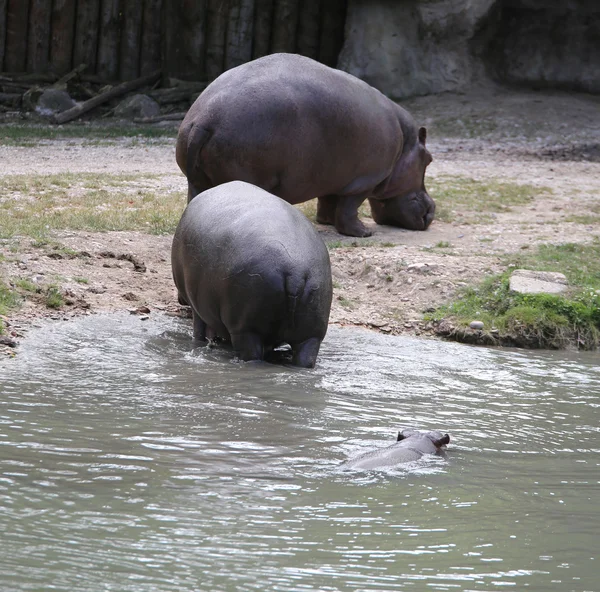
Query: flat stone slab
(526,281)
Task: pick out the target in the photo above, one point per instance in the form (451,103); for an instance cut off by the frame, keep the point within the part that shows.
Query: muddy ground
(384,282)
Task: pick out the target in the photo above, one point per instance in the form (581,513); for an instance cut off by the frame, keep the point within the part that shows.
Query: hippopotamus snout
(410,446)
(414,211)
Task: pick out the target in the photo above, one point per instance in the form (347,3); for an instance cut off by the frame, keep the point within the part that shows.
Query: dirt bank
(385,282)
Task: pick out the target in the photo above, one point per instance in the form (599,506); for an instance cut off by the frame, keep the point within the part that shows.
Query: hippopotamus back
(254,271)
(411,446)
(301,130)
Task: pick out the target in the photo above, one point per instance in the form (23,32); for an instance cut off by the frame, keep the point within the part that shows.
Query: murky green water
(129,462)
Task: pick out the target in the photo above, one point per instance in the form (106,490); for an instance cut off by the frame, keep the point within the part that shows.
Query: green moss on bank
(533,320)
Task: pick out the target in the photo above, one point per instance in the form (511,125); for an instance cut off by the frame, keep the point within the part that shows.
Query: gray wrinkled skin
(301,130)
(254,271)
(411,446)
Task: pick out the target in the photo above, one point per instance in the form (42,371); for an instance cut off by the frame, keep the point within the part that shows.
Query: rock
(422,47)
(137,106)
(52,101)
(526,281)
(477,325)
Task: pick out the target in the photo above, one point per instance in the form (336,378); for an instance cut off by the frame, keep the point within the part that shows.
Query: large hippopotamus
(410,446)
(301,130)
(254,271)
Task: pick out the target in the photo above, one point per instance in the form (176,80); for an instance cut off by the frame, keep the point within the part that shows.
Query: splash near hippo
(300,130)
(410,446)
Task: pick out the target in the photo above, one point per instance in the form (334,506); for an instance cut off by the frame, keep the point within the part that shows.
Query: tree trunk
(86,33)
(285,23)
(38,41)
(333,19)
(309,29)
(16,36)
(3,6)
(238,49)
(263,20)
(151,36)
(108,42)
(63,26)
(218,11)
(185,38)
(131,36)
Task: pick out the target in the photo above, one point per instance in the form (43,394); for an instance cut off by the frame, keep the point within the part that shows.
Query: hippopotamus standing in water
(301,130)
(411,446)
(255,271)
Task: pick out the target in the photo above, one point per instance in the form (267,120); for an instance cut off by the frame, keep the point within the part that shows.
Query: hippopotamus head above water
(410,446)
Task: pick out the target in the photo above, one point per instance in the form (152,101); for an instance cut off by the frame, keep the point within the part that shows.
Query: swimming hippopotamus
(410,446)
(254,271)
(301,130)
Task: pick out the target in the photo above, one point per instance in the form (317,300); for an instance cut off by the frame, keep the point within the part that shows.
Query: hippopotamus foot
(305,353)
(346,217)
(326,207)
(249,346)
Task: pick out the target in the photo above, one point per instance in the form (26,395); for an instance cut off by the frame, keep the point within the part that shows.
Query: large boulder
(418,47)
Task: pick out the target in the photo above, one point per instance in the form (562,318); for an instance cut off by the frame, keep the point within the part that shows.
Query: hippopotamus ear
(422,135)
(445,439)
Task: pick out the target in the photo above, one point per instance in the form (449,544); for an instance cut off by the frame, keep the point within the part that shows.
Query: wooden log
(309,25)
(151,36)
(109,39)
(238,45)
(185,38)
(38,41)
(63,33)
(333,19)
(285,22)
(166,96)
(166,117)
(3,23)
(131,36)
(263,21)
(61,82)
(17,17)
(218,11)
(87,27)
(116,91)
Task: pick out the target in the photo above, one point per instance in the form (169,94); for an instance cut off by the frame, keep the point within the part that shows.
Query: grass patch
(537,320)
(26,285)
(8,299)
(483,197)
(309,209)
(32,134)
(81,280)
(54,298)
(34,205)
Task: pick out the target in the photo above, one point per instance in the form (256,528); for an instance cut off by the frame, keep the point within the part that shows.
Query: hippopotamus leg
(199,327)
(326,209)
(249,346)
(346,216)
(305,354)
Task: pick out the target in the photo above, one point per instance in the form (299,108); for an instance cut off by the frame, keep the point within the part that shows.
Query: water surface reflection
(131,462)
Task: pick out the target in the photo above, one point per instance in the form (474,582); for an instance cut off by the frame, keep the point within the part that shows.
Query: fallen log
(10,99)
(68,77)
(116,91)
(166,117)
(166,96)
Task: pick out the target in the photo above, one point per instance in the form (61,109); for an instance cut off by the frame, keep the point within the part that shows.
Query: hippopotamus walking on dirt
(254,271)
(411,446)
(301,130)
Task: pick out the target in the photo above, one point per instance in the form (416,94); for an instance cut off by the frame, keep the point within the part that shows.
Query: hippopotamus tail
(197,139)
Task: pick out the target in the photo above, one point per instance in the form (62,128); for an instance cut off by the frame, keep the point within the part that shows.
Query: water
(131,462)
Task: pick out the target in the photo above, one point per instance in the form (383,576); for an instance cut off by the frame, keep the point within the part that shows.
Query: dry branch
(116,91)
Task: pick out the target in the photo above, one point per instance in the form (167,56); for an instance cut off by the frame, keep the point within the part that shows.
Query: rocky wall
(417,47)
